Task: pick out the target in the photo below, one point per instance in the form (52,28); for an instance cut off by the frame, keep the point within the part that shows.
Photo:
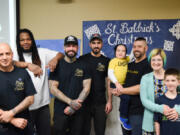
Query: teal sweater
(148,101)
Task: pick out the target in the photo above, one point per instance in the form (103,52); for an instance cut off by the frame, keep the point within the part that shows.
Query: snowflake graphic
(103,53)
(175,30)
(91,30)
(168,45)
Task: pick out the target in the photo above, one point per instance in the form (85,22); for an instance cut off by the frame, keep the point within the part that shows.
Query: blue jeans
(124,104)
(136,123)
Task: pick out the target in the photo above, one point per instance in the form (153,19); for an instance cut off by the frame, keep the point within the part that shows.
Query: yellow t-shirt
(120,68)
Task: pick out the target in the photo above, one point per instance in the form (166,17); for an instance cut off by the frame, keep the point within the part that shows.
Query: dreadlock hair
(35,56)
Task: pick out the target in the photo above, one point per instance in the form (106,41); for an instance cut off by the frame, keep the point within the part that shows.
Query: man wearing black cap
(70,84)
(97,107)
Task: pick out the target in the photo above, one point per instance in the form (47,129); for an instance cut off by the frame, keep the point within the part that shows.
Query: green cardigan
(148,101)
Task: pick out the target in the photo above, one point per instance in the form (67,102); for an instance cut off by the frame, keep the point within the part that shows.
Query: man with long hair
(28,55)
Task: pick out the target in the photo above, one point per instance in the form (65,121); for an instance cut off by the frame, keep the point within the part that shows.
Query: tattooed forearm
(74,104)
(57,93)
(86,89)
(83,95)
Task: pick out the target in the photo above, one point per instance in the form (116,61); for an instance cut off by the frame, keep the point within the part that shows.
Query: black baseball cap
(71,40)
(95,36)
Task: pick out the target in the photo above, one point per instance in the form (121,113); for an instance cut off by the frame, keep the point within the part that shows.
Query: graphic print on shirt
(101,67)
(19,85)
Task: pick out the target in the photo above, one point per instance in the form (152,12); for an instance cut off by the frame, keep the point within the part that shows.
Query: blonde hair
(158,51)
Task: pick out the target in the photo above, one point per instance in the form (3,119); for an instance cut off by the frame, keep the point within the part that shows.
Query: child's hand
(119,87)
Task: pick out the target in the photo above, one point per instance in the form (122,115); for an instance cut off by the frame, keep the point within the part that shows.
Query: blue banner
(163,34)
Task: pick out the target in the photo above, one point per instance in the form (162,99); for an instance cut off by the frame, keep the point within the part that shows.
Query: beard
(26,50)
(96,50)
(71,55)
(138,55)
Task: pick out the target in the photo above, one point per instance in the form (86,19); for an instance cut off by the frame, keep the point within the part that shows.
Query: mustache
(71,51)
(96,48)
(136,51)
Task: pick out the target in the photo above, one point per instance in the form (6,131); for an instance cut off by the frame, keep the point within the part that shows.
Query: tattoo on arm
(74,104)
(23,105)
(57,93)
(86,89)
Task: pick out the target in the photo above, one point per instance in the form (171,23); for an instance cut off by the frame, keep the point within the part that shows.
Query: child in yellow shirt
(117,70)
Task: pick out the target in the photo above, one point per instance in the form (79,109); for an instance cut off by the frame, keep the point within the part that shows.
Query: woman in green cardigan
(151,87)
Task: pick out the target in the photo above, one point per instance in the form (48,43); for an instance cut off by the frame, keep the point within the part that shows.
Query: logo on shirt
(78,72)
(100,67)
(19,85)
(133,72)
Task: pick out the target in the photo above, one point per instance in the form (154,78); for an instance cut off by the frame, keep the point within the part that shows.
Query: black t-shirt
(133,77)
(70,77)
(15,86)
(98,67)
(168,127)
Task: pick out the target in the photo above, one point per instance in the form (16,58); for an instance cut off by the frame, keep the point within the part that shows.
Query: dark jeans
(136,123)
(124,106)
(41,119)
(68,125)
(97,112)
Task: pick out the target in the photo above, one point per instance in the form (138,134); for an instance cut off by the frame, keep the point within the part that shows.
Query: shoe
(125,124)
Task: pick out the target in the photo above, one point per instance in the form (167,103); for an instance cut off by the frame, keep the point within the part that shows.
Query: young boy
(164,126)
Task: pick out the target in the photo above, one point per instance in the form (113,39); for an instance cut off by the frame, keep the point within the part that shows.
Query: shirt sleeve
(87,71)
(145,85)
(111,75)
(29,86)
(54,75)
(49,54)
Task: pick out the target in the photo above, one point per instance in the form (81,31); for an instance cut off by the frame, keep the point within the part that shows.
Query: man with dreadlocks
(29,54)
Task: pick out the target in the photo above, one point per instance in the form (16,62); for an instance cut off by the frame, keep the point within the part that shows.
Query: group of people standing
(79,86)
(70,81)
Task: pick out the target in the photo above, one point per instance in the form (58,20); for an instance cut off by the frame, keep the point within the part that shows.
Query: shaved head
(5,45)
(6,57)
